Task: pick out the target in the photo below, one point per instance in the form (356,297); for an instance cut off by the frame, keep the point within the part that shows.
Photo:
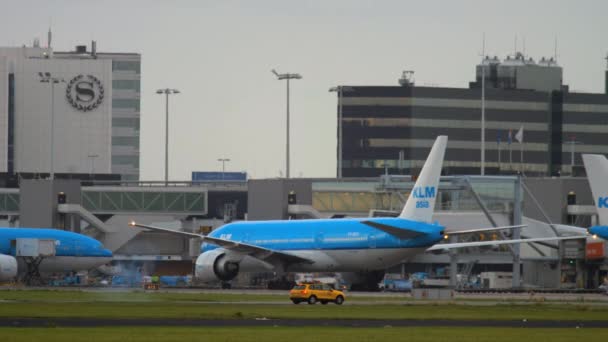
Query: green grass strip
(302,311)
(181,334)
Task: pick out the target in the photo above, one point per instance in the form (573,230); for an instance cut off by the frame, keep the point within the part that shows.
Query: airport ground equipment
(33,251)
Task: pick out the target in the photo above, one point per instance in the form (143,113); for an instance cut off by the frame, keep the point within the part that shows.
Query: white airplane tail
(596,166)
(421,202)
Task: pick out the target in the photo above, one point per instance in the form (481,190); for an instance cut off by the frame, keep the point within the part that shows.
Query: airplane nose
(106,253)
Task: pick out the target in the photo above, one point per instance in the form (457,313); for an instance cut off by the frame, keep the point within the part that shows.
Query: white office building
(71,113)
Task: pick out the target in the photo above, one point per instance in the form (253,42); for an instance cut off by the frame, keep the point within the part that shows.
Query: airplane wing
(401,233)
(481,230)
(235,246)
(445,246)
(404,233)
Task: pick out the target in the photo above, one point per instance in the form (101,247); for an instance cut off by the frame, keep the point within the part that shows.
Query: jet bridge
(107,209)
(145,200)
(102,200)
(123,204)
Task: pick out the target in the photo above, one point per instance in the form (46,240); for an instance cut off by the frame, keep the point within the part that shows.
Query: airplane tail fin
(596,166)
(421,202)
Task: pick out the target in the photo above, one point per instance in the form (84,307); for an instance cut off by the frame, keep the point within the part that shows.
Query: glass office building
(391,128)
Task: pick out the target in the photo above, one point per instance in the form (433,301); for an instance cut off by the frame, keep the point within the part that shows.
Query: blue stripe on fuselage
(326,234)
(66,243)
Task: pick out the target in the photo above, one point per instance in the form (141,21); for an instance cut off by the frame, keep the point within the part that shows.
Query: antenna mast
(555,50)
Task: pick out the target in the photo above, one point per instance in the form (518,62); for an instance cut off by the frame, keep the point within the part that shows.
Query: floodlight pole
(572,142)
(167,92)
(287,161)
(223,160)
(46,77)
(483,107)
(166,138)
(93,156)
(287,77)
(52,173)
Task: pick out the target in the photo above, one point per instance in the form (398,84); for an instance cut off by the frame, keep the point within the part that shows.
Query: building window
(128,177)
(126,84)
(126,103)
(125,141)
(126,122)
(382,163)
(367,163)
(126,66)
(122,160)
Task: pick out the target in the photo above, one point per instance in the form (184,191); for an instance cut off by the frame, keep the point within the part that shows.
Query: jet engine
(217,265)
(8,267)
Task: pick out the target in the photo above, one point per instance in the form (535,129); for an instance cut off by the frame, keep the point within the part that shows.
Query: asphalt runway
(379,297)
(263,322)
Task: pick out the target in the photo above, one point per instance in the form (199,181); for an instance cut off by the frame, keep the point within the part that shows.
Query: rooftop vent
(407,78)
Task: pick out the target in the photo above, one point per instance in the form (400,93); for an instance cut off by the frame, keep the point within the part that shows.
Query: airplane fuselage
(333,244)
(600,231)
(73,251)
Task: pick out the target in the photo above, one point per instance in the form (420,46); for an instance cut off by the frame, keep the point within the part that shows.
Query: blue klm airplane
(336,245)
(73,252)
(596,166)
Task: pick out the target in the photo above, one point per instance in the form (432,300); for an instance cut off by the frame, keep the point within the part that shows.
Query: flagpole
(499,156)
(520,138)
(510,143)
(511,156)
(483,107)
(521,157)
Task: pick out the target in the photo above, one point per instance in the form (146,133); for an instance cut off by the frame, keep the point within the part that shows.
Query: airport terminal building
(390,128)
(82,107)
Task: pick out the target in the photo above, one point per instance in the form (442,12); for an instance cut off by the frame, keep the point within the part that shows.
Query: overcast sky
(219,55)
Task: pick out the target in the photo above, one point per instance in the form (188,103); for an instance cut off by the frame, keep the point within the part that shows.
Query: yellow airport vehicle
(315,292)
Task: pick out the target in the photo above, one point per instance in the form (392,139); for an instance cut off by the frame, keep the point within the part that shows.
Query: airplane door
(371,238)
(78,249)
(319,240)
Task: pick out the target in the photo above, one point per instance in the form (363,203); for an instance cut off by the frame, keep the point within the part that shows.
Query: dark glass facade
(381,122)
